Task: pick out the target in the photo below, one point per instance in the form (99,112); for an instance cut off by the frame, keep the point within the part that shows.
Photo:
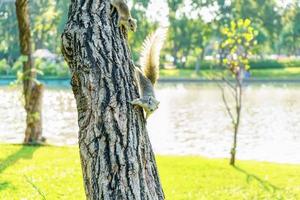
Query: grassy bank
(285,73)
(54,173)
(268,74)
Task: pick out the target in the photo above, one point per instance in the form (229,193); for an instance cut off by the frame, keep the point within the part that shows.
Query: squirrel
(148,72)
(125,18)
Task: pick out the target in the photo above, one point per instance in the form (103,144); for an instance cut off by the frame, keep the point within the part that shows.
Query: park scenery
(150,99)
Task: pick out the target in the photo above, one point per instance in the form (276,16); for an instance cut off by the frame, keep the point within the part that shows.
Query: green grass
(54,173)
(182,73)
(284,73)
(265,73)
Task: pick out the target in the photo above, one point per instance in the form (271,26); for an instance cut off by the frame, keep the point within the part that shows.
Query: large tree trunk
(116,155)
(32,90)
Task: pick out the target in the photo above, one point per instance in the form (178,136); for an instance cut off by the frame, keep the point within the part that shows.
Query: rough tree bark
(116,155)
(31,89)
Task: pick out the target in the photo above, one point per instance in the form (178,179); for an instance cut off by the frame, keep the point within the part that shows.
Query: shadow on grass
(4,185)
(25,152)
(267,186)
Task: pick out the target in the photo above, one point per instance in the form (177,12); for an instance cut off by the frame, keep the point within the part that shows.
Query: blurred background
(192,115)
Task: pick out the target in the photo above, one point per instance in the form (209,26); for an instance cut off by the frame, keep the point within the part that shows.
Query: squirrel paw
(149,104)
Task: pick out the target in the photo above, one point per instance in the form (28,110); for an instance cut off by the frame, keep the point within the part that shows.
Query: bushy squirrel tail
(149,59)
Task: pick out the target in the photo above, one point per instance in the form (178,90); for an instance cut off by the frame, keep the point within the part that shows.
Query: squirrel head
(149,104)
(132,24)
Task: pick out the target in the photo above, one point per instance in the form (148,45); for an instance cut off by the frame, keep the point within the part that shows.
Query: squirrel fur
(125,18)
(148,74)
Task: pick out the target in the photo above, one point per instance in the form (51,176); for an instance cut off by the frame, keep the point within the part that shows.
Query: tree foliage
(237,45)
(194,26)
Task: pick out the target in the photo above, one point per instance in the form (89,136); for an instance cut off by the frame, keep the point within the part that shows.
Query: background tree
(31,89)
(139,11)
(9,47)
(238,41)
(45,18)
(290,35)
(116,154)
(200,41)
(175,34)
(277,27)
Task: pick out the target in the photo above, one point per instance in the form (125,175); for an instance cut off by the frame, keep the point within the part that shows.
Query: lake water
(191,120)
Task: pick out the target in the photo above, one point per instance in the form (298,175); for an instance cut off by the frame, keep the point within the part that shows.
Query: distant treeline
(194,29)
(60,69)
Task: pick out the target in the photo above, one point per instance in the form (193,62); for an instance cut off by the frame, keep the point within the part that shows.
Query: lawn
(54,173)
(284,73)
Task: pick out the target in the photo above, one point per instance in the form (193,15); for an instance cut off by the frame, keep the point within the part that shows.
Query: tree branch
(226,104)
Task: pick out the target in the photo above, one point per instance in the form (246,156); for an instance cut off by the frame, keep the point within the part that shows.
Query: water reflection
(191,120)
